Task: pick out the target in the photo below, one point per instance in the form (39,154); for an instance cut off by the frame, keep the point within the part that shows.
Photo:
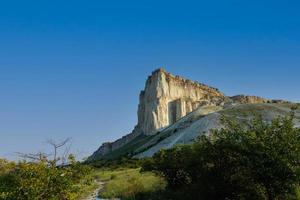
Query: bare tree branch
(44,157)
(56,146)
(66,154)
(34,157)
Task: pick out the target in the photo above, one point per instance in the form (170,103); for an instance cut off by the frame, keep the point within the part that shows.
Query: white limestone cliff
(166,99)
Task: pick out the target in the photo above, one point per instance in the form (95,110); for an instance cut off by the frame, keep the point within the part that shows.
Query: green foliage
(297,193)
(129,183)
(122,162)
(39,181)
(259,161)
(247,110)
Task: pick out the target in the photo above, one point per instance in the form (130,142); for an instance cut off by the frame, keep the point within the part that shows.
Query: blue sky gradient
(75,68)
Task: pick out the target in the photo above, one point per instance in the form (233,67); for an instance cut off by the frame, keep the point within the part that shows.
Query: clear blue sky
(75,68)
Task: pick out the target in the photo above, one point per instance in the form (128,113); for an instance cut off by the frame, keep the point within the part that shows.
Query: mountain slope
(195,124)
(174,110)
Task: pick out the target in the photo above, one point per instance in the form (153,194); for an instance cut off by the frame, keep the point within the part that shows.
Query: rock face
(108,147)
(166,99)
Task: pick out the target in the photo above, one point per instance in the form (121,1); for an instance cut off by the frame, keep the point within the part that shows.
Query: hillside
(174,110)
(195,124)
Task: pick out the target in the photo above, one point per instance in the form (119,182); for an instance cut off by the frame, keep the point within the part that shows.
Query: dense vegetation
(41,180)
(258,160)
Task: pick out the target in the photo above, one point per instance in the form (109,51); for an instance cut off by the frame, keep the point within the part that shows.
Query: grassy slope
(241,112)
(143,143)
(268,111)
(256,109)
(127,183)
(181,124)
(128,148)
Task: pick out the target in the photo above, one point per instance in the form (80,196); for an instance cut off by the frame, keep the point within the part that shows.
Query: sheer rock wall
(167,98)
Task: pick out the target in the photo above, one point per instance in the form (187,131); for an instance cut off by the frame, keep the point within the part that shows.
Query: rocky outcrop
(166,99)
(244,99)
(108,147)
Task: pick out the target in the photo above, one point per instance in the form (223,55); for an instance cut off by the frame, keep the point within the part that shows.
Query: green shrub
(260,161)
(37,181)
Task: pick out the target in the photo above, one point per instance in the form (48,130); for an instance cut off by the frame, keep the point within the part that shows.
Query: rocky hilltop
(167,99)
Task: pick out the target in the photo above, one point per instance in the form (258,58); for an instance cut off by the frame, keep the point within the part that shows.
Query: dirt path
(94,195)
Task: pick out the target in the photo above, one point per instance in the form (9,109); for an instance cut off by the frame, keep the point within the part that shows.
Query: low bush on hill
(260,160)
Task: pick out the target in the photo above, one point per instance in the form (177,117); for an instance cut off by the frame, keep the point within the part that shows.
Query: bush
(35,181)
(258,161)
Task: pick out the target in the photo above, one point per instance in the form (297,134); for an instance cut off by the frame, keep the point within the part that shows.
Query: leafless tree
(44,157)
(56,146)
